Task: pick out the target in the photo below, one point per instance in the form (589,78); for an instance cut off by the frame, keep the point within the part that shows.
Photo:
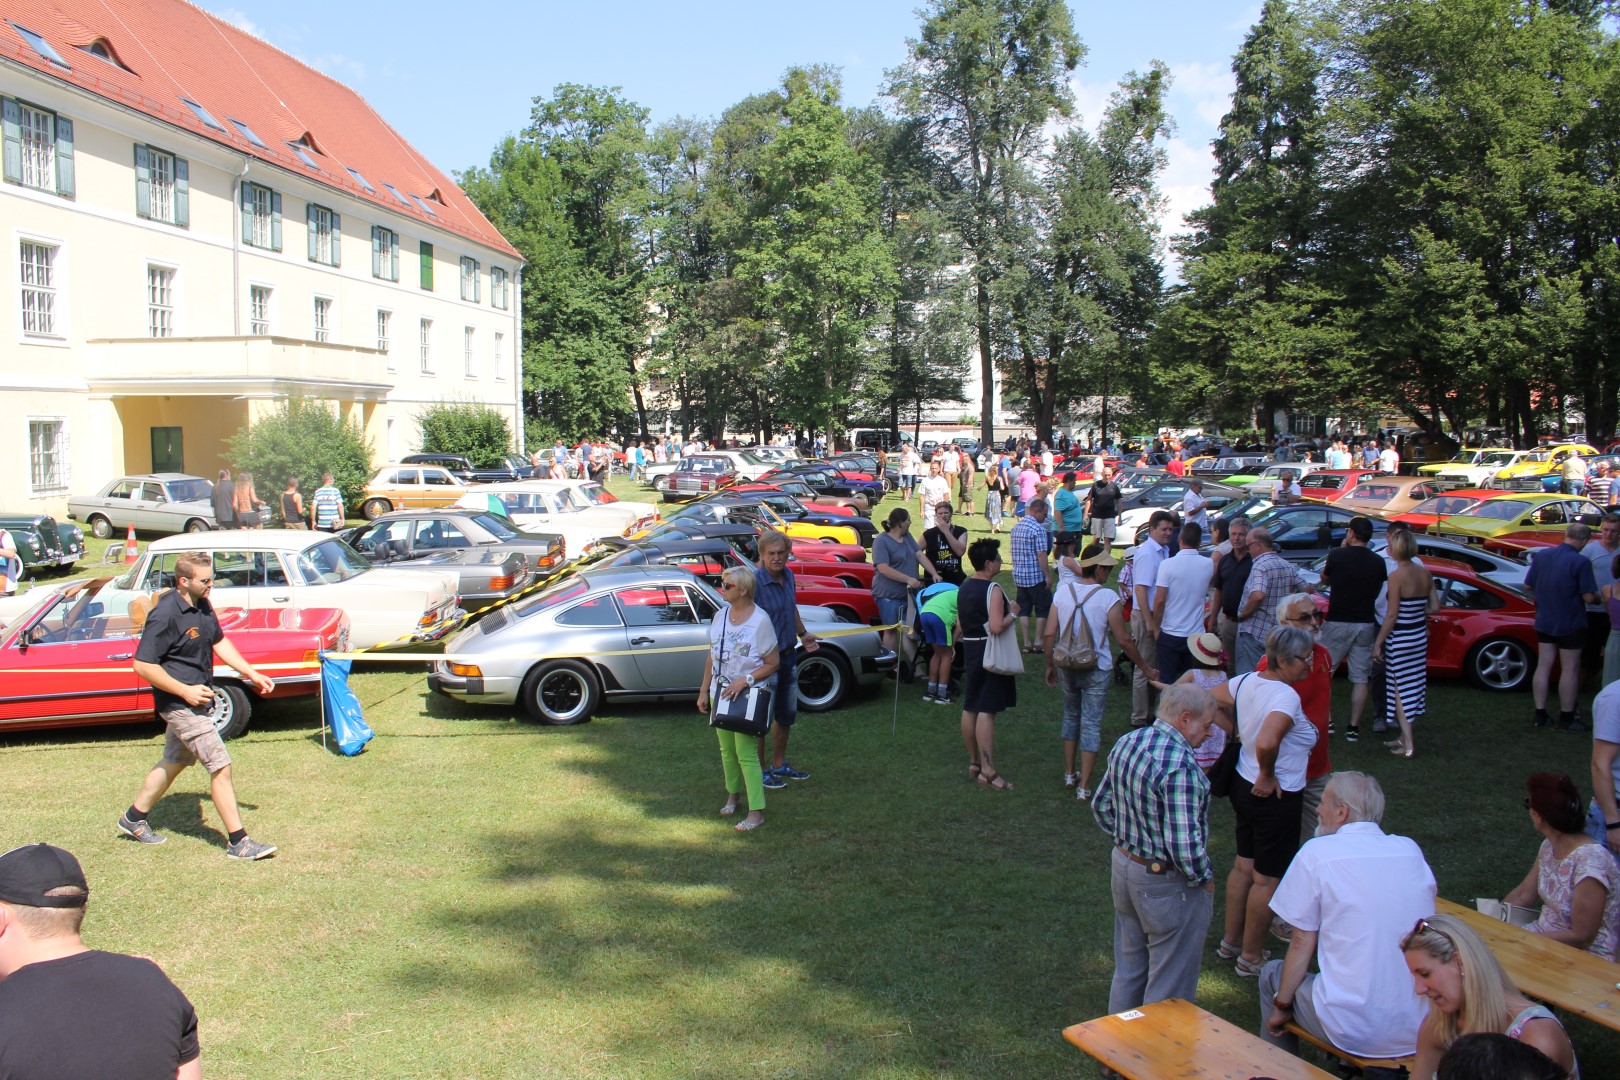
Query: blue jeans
(891,609)
(785,691)
(1084,694)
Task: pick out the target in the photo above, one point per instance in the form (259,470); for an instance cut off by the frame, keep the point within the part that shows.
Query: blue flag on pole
(342,708)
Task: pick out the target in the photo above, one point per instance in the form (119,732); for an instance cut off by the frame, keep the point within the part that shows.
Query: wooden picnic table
(1574,979)
(1177,1038)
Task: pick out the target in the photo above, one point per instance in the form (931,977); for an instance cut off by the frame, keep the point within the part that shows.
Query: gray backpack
(1074,649)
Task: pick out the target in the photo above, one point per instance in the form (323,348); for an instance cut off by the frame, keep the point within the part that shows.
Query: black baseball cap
(28,873)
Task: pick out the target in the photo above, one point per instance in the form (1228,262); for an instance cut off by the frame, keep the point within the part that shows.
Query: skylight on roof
(394,191)
(204,115)
(40,45)
(362,181)
(100,49)
(248,133)
(428,210)
(303,154)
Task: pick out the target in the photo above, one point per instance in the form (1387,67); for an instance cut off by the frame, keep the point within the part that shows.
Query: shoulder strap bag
(1225,767)
(749,713)
(1001,653)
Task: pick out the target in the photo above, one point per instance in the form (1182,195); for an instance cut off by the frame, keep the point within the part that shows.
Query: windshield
(525,502)
(1445,505)
(498,528)
(1496,457)
(561,593)
(706,465)
(1326,482)
(329,562)
(1499,510)
(198,490)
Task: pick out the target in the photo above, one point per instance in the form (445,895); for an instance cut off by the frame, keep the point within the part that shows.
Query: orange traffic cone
(131,551)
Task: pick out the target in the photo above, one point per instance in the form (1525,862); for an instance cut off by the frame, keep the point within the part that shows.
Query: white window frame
(321,318)
(161,308)
(388,260)
(160,163)
(261,315)
(263,234)
(469,351)
(500,366)
(424,344)
(38,155)
(385,344)
(326,253)
(46,300)
(469,279)
(63,460)
(498,285)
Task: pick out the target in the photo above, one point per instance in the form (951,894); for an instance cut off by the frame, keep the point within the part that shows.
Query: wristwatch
(749,679)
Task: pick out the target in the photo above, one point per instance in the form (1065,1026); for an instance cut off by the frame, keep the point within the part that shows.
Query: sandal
(1400,751)
(747,826)
(994,780)
(974,771)
(1249,969)
(728,809)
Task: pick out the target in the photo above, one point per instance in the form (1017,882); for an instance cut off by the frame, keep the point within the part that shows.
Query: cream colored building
(198,226)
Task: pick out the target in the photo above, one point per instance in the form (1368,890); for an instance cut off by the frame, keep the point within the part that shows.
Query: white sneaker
(1083,794)
(1071,779)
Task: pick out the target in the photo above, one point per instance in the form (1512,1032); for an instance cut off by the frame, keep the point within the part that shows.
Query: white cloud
(240,20)
(1246,20)
(1091,101)
(1201,90)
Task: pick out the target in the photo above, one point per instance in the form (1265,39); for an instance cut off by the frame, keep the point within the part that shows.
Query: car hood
(441,584)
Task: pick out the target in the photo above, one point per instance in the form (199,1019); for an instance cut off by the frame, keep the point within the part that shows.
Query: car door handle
(642,640)
(280,599)
(122,656)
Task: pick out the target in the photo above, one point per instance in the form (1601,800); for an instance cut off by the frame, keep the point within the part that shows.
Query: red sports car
(68,660)
(1331,485)
(708,558)
(1484,630)
(1446,504)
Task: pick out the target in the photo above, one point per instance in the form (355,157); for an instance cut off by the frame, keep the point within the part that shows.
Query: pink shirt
(1026,484)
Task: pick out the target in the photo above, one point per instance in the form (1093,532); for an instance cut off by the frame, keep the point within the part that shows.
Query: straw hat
(1205,648)
(1102,558)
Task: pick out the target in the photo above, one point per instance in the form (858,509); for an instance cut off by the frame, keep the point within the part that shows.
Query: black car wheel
(196,525)
(824,680)
(1499,664)
(561,692)
(231,710)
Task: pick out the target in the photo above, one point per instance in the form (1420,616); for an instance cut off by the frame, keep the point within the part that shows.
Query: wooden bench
(1345,1055)
(1573,979)
(1178,1039)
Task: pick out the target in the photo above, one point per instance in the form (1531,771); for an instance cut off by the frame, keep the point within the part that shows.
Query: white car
(533,507)
(296,568)
(589,493)
(1481,472)
(1272,473)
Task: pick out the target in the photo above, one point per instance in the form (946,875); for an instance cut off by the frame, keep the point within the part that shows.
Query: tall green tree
(987,76)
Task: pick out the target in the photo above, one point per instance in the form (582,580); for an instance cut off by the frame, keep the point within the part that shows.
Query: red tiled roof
(175,50)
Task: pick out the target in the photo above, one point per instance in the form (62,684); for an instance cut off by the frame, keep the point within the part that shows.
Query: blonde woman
(1468,991)
(247,502)
(1403,640)
(742,654)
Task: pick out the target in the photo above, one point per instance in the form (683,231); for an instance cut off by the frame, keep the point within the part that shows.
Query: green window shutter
(182,193)
(478,284)
(427,265)
(309,228)
(393,256)
(337,238)
(275,221)
(143,181)
(376,251)
(247,212)
(64,156)
(11,125)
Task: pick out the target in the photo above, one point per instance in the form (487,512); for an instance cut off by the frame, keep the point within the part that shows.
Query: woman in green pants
(742,652)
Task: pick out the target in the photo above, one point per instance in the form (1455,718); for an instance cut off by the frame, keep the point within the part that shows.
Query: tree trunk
(987,362)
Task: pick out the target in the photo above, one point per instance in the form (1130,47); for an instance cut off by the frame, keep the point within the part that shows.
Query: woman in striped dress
(1403,640)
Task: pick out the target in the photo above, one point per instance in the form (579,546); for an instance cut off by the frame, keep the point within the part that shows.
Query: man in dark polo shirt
(776,595)
(176,655)
(1226,588)
(66,1010)
(1561,582)
(1355,575)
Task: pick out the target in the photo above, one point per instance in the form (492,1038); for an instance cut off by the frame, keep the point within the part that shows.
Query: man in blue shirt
(1561,582)
(776,594)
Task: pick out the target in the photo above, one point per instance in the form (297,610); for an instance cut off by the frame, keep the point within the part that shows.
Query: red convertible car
(67,660)
(1484,630)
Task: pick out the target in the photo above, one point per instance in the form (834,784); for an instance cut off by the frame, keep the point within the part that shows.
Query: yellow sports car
(1508,516)
(1526,475)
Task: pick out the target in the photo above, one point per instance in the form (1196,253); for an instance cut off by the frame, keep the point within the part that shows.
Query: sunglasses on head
(1424,926)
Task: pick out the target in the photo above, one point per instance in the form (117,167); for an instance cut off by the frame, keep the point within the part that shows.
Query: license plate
(67,560)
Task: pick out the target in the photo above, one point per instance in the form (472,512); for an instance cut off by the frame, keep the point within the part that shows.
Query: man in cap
(66,1010)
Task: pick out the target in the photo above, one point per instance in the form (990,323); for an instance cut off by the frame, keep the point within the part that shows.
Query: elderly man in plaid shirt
(1272,578)
(1154,802)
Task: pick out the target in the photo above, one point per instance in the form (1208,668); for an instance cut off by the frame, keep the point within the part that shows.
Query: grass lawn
(479,896)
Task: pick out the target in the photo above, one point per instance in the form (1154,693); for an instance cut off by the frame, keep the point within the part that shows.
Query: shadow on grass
(188,813)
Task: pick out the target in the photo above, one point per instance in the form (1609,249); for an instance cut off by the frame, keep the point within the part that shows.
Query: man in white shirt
(1151,554)
(1048,462)
(1286,490)
(1194,507)
(1181,591)
(1350,894)
(933,491)
(1389,461)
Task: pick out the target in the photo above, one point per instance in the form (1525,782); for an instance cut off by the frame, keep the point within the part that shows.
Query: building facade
(198,227)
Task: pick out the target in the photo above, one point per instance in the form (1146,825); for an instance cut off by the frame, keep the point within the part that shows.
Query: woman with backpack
(1083,614)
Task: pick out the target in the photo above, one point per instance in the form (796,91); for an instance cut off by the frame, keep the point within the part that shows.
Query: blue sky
(455,86)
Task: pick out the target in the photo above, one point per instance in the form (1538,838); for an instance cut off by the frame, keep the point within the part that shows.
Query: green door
(167,452)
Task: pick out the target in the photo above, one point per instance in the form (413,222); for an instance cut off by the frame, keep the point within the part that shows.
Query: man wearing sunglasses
(176,655)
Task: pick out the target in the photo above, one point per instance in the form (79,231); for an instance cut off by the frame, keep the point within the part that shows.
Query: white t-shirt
(1047,462)
(1195,507)
(1257,698)
(1185,576)
(933,490)
(1285,487)
(950,461)
(1389,461)
(743,646)
(1094,601)
(1360,890)
(910,461)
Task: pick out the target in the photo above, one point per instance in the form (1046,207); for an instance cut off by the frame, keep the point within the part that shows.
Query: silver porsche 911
(628,633)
